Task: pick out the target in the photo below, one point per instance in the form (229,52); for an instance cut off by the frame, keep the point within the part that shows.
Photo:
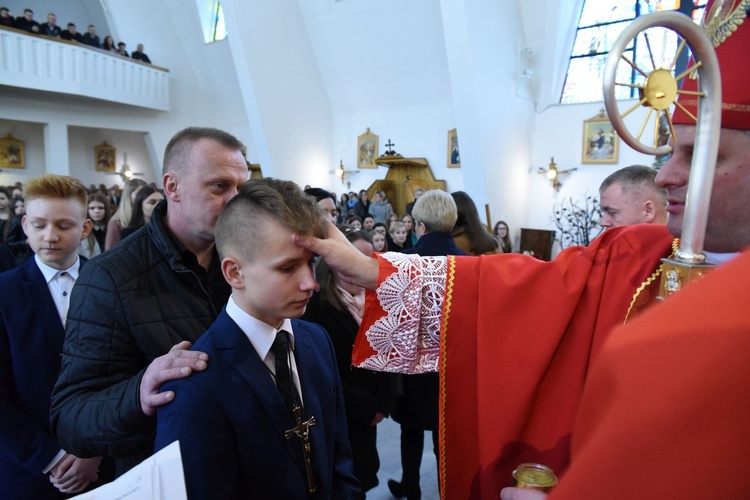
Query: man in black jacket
(135,310)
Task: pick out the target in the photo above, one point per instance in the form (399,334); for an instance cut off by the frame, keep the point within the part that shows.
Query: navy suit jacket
(31,339)
(230,420)
(435,244)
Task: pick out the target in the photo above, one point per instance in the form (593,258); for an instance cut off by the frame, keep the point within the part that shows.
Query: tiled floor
(389,438)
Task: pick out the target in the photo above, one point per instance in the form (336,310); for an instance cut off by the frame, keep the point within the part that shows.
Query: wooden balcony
(54,65)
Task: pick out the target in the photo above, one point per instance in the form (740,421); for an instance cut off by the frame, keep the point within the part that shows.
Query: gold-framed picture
(600,141)
(367,150)
(104,156)
(12,152)
(454,155)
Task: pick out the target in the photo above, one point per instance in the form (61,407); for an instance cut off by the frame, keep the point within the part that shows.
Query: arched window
(600,24)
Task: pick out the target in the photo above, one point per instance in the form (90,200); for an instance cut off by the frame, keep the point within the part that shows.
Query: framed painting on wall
(454,156)
(600,141)
(367,150)
(12,153)
(104,155)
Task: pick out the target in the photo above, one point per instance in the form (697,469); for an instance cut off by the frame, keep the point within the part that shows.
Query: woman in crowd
(379,243)
(6,214)
(109,44)
(99,213)
(124,212)
(354,221)
(411,239)
(368,397)
(469,233)
(342,205)
(398,237)
(16,238)
(380,209)
(362,209)
(501,233)
(145,202)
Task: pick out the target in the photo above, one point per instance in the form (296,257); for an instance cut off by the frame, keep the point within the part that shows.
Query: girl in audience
(6,214)
(411,239)
(99,213)
(354,221)
(16,238)
(145,202)
(469,233)
(378,241)
(363,204)
(398,236)
(501,233)
(122,215)
(368,396)
(109,44)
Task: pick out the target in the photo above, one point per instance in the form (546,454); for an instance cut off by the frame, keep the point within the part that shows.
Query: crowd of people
(50,28)
(239,320)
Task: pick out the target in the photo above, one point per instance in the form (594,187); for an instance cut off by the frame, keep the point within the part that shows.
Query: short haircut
(27,10)
(57,186)
(436,210)
(91,26)
(242,222)
(71,24)
(635,178)
(181,145)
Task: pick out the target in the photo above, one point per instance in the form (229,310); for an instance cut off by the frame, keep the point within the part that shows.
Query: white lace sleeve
(407,339)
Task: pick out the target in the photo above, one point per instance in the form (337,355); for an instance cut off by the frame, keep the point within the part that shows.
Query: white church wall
(282,92)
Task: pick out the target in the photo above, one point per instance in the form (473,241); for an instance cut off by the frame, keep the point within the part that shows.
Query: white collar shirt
(262,335)
(60,284)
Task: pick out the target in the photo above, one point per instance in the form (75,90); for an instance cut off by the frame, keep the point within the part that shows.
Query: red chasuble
(512,337)
(666,408)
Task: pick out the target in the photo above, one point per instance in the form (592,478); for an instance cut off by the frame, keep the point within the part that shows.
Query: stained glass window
(600,24)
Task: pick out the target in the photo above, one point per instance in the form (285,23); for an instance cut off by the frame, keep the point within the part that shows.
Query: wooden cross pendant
(302,431)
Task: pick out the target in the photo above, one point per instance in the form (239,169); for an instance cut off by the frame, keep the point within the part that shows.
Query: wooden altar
(405,175)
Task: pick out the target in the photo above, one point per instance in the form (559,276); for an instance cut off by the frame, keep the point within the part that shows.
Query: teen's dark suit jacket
(31,339)
(230,420)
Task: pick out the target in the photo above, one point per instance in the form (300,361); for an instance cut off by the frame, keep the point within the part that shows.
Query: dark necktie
(284,383)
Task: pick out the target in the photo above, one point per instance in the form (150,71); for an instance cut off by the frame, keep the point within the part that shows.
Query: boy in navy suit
(33,305)
(267,418)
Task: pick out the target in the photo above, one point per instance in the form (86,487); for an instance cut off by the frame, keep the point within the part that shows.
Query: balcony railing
(54,65)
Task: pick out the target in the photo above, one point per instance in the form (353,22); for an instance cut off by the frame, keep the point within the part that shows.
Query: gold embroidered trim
(728,106)
(718,28)
(651,279)
(443,363)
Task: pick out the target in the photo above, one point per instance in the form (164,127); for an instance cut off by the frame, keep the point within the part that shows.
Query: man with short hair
(630,196)
(27,22)
(90,37)
(50,28)
(5,18)
(121,49)
(71,33)
(138,55)
(136,309)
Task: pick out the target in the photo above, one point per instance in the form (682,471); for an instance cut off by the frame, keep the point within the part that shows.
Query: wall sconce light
(126,172)
(553,174)
(344,174)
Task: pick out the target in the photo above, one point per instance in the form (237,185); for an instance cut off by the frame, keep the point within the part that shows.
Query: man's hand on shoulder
(177,363)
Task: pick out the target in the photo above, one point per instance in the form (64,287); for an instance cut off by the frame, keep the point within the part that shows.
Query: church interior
(300,81)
